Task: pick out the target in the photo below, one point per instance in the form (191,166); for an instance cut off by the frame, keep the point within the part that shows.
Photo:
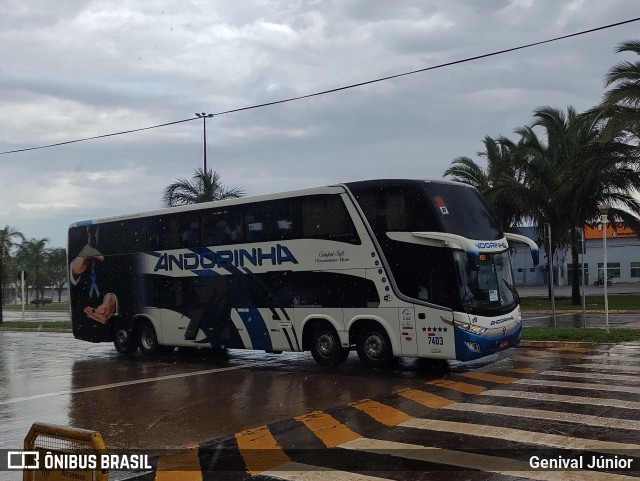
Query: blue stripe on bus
(256,328)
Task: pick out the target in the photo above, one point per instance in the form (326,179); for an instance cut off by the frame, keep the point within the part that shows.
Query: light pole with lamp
(204,118)
(582,248)
(604,210)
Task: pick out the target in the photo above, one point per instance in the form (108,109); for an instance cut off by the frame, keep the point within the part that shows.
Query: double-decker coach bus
(389,268)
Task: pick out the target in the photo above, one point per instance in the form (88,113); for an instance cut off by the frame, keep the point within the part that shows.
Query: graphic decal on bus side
(208,259)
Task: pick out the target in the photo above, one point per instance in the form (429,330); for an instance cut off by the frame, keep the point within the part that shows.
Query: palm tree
(8,237)
(567,175)
(620,107)
(32,256)
(499,155)
(57,268)
(206,186)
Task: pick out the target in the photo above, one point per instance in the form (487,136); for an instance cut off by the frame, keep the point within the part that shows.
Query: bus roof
(329,189)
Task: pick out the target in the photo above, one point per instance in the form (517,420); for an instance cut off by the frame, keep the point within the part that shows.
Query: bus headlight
(466,326)
(477,330)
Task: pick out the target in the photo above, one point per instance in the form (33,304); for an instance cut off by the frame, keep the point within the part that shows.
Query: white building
(623,258)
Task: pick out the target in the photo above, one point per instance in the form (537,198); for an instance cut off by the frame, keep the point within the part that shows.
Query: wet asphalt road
(257,403)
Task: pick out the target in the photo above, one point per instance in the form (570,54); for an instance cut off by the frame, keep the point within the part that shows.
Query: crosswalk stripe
(614,357)
(609,367)
(458,386)
(425,398)
(568,349)
(482,376)
(327,428)
(482,462)
(614,423)
(306,472)
(562,398)
(579,385)
(589,375)
(183,466)
(382,413)
(260,451)
(524,370)
(520,436)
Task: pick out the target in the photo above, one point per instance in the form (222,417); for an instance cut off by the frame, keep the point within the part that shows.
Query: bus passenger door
(436,338)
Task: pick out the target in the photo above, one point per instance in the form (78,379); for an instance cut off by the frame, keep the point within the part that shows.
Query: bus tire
(125,341)
(326,348)
(374,347)
(148,340)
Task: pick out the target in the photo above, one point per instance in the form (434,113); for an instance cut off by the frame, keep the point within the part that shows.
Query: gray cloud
(77,69)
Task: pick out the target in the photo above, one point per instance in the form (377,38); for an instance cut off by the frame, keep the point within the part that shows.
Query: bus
(388,268)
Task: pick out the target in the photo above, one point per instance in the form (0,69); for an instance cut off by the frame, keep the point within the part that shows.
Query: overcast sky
(71,69)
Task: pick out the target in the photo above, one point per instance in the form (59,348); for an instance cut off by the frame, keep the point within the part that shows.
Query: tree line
(45,266)
(565,164)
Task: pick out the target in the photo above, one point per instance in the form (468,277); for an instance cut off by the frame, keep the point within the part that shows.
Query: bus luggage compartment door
(436,338)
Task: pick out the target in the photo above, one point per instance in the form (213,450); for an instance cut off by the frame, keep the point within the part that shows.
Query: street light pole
(604,210)
(547,228)
(204,117)
(582,248)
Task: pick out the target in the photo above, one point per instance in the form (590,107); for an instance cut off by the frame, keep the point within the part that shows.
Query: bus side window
(283,225)
(326,217)
(182,230)
(221,227)
(255,220)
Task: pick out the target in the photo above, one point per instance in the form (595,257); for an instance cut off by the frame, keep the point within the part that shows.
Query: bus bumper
(471,346)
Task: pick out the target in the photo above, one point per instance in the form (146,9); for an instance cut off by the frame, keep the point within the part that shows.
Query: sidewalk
(590,290)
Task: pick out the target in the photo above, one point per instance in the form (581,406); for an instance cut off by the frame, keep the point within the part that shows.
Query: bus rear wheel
(124,341)
(326,348)
(148,340)
(374,347)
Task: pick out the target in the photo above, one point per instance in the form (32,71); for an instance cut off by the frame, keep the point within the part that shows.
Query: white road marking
(590,375)
(614,423)
(543,396)
(608,367)
(520,436)
(130,383)
(306,472)
(580,385)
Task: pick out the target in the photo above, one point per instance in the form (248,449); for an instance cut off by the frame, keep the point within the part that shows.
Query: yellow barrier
(58,442)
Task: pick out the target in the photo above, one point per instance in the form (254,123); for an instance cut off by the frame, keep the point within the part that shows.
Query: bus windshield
(490,287)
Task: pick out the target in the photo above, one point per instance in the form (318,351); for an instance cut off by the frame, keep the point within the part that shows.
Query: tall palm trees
(500,168)
(620,107)
(560,177)
(32,254)
(8,237)
(206,186)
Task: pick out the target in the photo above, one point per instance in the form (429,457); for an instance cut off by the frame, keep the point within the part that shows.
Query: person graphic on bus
(87,262)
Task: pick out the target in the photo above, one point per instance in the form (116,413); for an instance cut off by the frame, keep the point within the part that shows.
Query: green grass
(617,302)
(54,306)
(35,325)
(576,334)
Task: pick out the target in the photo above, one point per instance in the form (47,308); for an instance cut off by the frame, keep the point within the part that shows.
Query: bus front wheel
(124,341)
(374,347)
(326,348)
(148,340)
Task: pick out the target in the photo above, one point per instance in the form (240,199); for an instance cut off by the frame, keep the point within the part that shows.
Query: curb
(551,344)
(32,329)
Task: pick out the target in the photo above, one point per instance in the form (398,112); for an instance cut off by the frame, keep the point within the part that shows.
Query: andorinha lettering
(491,245)
(209,259)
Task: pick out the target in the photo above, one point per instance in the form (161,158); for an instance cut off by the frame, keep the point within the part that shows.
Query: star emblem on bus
(434,329)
